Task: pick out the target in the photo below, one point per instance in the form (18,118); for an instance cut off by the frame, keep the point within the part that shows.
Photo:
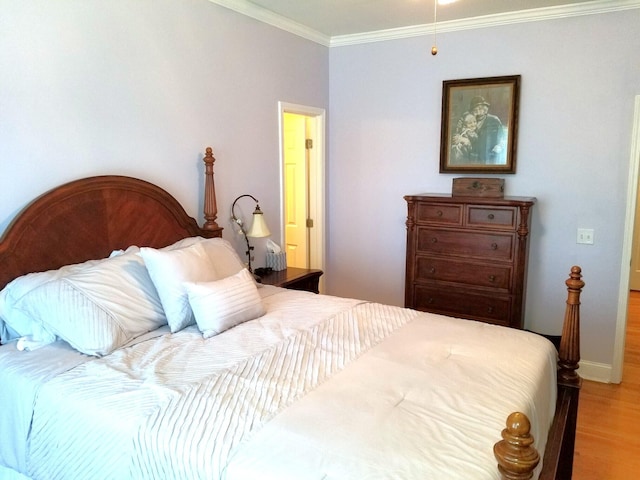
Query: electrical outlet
(585,236)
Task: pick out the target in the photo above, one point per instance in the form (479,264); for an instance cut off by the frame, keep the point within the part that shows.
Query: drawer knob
(434,240)
(430,301)
(432,270)
(494,246)
(439,213)
(490,310)
(492,278)
(491,217)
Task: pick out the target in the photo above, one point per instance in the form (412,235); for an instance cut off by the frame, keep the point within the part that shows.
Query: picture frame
(479,126)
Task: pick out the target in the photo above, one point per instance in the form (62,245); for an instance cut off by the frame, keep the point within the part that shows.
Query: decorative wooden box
(478,187)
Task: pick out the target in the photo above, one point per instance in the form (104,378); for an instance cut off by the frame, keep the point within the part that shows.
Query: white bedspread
(319,388)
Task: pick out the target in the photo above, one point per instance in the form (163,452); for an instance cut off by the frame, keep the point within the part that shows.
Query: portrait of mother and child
(479,137)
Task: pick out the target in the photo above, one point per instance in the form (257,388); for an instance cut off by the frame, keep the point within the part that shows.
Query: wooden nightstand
(294,278)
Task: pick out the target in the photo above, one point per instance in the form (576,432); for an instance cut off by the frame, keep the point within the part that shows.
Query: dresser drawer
(481,216)
(444,214)
(463,272)
(461,243)
(462,303)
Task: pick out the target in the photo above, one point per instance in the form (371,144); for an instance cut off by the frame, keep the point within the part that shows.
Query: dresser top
(448,198)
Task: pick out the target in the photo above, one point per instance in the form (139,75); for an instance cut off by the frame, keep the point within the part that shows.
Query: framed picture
(479,125)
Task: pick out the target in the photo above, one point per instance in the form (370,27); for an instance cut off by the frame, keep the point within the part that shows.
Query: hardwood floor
(607,437)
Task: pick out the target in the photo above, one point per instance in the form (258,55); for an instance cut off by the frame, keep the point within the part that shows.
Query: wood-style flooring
(608,432)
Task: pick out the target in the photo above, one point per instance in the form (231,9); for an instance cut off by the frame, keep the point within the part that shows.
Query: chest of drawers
(467,257)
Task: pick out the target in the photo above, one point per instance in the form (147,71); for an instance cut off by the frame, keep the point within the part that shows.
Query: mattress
(318,388)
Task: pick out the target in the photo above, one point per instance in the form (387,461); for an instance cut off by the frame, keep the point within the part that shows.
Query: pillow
(130,249)
(169,269)
(16,323)
(98,308)
(220,251)
(225,303)
(182,243)
(224,257)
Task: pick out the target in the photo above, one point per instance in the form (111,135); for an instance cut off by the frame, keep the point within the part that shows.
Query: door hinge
(309,222)
(308,143)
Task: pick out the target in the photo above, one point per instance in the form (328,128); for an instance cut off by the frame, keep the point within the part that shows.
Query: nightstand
(294,278)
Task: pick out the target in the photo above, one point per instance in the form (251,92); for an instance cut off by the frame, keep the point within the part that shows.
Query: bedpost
(558,455)
(517,458)
(569,354)
(210,205)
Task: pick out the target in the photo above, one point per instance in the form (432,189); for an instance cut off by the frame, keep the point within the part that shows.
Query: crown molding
(267,16)
(532,15)
(485,21)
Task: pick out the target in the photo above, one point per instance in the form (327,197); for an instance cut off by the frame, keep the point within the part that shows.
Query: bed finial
(210,205)
(516,456)
(569,353)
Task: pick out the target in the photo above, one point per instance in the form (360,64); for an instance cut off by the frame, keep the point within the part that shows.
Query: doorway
(302,192)
(629,247)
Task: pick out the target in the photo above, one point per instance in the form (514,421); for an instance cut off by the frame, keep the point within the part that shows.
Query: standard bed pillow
(224,257)
(98,308)
(17,323)
(169,269)
(225,303)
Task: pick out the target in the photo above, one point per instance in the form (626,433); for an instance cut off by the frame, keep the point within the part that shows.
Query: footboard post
(517,458)
(558,455)
(569,354)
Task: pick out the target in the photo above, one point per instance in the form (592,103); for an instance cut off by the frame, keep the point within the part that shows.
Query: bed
(142,349)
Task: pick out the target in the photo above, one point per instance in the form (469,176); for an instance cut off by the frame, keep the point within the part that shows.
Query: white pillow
(224,257)
(17,323)
(182,243)
(169,269)
(220,251)
(225,303)
(98,308)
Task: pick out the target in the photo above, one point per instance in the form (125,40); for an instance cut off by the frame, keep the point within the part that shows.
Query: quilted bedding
(318,388)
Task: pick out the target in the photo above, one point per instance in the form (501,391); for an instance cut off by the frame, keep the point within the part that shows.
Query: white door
(634,277)
(302,130)
(296,182)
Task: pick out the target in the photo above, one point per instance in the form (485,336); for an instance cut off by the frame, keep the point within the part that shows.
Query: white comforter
(319,388)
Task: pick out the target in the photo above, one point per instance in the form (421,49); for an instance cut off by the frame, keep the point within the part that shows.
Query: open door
(634,277)
(296,190)
(630,248)
(302,131)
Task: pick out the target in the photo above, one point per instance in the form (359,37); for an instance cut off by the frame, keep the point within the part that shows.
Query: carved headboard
(89,218)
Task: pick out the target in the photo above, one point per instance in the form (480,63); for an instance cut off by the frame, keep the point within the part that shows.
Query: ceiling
(341,22)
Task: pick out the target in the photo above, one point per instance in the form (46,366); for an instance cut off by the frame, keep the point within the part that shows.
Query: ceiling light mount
(434,49)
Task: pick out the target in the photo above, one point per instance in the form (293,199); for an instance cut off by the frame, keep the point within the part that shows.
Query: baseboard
(598,372)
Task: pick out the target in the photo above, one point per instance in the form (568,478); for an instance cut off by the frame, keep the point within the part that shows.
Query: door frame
(317,202)
(627,248)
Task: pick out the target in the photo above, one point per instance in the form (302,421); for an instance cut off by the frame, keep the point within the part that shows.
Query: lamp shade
(259,226)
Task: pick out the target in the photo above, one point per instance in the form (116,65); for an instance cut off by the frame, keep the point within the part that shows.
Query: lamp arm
(241,225)
(249,248)
(236,200)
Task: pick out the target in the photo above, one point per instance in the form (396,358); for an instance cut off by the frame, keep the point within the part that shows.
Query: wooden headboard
(89,218)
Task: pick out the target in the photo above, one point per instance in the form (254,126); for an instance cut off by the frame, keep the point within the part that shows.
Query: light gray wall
(579,78)
(141,88)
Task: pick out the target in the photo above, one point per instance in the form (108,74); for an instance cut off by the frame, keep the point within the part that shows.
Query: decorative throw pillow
(98,308)
(169,269)
(225,303)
